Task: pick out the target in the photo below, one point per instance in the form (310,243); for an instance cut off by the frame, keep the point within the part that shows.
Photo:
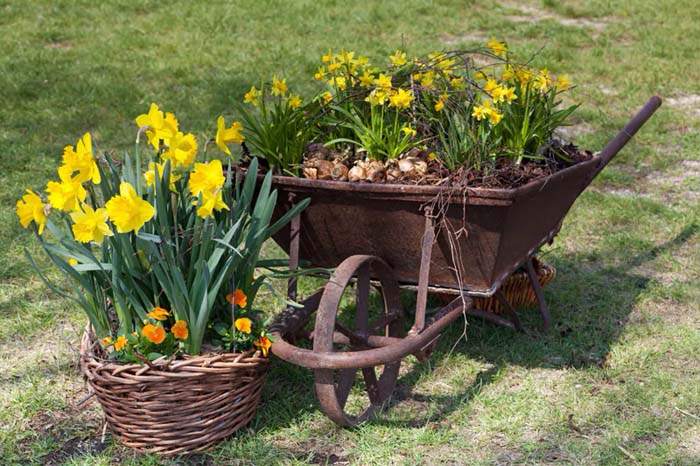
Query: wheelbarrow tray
(487,235)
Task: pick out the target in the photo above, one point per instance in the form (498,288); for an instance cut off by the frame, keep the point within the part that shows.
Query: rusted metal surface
(504,226)
(333,386)
(541,303)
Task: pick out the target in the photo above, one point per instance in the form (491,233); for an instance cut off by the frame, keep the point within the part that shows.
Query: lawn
(616,381)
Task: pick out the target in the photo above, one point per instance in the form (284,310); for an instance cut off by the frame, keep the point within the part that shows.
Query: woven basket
(516,289)
(175,407)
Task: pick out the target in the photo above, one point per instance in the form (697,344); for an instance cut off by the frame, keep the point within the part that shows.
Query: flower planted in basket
(162,261)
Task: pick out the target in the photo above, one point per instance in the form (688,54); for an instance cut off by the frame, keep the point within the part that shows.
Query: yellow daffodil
(327,97)
(264,344)
(67,194)
(127,210)
(495,117)
(207,177)
(398,58)
(294,101)
(383,82)
(182,150)
(78,163)
(491,85)
(508,94)
(72,261)
(427,79)
(439,106)
(159,313)
(31,209)
(563,82)
(90,225)
(366,79)
(243,324)
(543,80)
(121,343)
(457,83)
(333,66)
(161,128)
(150,175)
(154,334)
(228,135)
(481,111)
(320,75)
(211,201)
(279,87)
(402,99)
(238,298)
(408,131)
(377,97)
(498,48)
(251,97)
(179,330)
(106,341)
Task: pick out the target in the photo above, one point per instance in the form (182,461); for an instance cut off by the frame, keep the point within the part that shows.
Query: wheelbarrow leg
(544,311)
(512,315)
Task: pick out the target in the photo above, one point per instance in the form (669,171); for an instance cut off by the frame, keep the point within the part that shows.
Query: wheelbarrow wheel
(333,386)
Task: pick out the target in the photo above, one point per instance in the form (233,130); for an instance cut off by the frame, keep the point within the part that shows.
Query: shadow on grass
(590,302)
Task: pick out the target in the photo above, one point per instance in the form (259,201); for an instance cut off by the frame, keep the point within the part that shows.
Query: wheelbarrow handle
(632,126)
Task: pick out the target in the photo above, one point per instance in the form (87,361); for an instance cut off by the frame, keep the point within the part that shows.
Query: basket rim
(200,363)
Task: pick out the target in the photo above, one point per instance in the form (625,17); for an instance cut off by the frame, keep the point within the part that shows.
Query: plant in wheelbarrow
(162,259)
(437,174)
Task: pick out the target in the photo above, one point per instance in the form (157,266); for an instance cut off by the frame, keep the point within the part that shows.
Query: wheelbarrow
(389,237)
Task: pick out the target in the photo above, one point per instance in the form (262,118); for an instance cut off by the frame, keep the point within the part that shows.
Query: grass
(614,382)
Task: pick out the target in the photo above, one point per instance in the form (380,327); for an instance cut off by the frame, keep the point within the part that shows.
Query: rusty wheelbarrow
(397,236)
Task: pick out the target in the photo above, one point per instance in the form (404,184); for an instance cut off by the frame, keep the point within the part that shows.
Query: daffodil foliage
(156,242)
(469,107)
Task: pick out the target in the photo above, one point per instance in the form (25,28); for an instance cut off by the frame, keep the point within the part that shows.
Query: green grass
(616,381)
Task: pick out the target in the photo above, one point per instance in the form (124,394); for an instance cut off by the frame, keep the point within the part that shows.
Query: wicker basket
(175,407)
(517,289)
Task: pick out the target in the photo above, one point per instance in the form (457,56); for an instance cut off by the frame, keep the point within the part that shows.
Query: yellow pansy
(121,343)
(150,175)
(243,324)
(182,150)
(229,135)
(127,210)
(159,313)
(279,87)
(161,128)
(78,164)
(179,330)
(31,209)
(90,225)
(207,177)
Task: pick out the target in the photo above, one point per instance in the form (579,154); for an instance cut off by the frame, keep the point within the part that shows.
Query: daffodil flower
(128,211)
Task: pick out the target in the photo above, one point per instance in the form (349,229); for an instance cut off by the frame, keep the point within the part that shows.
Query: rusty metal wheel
(333,386)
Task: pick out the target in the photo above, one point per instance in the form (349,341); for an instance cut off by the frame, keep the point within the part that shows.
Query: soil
(505,174)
